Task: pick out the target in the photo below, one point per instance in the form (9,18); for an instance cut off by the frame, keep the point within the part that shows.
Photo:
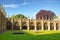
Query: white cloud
(25,3)
(16,5)
(11,5)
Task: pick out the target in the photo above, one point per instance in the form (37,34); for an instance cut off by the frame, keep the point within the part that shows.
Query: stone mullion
(48,25)
(35,25)
(12,20)
(28,24)
(59,26)
(42,25)
(54,26)
(20,23)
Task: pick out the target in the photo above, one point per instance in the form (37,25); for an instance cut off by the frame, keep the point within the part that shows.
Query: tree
(55,17)
(19,16)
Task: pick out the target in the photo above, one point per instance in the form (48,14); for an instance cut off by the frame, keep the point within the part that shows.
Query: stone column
(59,26)
(54,25)
(49,18)
(42,18)
(48,25)
(35,25)
(42,25)
(20,23)
(12,21)
(28,24)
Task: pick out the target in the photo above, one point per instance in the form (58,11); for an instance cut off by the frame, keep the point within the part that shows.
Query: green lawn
(31,35)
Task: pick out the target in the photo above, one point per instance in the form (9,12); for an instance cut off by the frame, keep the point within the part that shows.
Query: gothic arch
(32,27)
(24,26)
(45,26)
(57,27)
(8,25)
(39,27)
(51,26)
(16,25)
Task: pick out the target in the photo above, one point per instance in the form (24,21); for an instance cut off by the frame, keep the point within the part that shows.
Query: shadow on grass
(9,36)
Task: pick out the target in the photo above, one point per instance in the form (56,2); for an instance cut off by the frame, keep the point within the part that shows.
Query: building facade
(2,19)
(29,24)
(44,14)
(33,24)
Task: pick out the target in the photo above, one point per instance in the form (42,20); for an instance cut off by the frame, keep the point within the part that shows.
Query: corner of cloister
(42,22)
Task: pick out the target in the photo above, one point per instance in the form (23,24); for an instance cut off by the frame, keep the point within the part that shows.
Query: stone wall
(46,15)
(2,19)
(33,24)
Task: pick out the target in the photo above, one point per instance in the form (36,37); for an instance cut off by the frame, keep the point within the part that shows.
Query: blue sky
(30,7)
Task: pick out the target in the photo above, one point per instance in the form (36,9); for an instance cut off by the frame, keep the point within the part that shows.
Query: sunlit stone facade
(45,14)
(26,24)
(44,21)
(33,24)
(2,19)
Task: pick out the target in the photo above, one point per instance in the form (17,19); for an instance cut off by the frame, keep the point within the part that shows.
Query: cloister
(26,24)
(32,24)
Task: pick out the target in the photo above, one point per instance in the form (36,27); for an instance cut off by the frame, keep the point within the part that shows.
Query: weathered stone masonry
(33,24)
(2,19)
